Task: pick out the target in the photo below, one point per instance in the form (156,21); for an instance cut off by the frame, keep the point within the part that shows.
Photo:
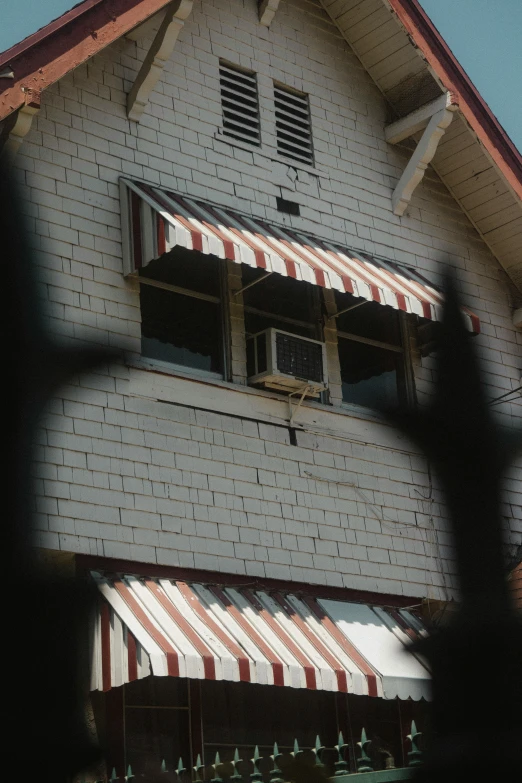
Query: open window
(181,312)
(371,353)
(285,350)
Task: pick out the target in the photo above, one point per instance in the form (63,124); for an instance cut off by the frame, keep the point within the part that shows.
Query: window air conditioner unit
(286,362)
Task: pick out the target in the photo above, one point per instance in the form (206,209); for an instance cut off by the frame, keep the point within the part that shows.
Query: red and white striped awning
(155,221)
(164,627)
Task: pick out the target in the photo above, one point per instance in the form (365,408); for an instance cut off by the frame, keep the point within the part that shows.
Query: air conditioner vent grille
(300,358)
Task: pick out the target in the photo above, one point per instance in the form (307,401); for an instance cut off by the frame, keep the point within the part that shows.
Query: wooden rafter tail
(267,11)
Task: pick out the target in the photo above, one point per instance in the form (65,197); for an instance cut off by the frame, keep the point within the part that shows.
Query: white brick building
(191,472)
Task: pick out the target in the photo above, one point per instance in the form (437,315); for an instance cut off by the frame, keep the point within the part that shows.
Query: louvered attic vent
(239,103)
(293,129)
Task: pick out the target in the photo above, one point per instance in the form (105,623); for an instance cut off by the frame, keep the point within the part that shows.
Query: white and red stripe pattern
(157,221)
(164,627)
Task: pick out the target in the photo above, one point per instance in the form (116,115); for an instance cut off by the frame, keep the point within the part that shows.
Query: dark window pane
(187,269)
(180,329)
(278,295)
(380,719)
(155,735)
(379,322)
(369,375)
(157,692)
(255,323)
(245,715)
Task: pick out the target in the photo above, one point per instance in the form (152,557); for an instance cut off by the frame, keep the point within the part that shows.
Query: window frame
(406,378)
(223,304)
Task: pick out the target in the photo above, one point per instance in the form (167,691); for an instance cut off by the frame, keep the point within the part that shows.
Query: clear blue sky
(485,36)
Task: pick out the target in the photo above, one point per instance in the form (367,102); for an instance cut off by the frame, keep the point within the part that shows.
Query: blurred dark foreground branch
(47,619)
(477,659)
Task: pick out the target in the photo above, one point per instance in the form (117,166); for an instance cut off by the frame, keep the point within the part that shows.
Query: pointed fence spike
(163,766)
(180,767)
(256,776)
(318,752)
(197,769)
(237,775)
(415,754)
(217,763)
(113,774)
(341,766)
(364,762)
(275,772)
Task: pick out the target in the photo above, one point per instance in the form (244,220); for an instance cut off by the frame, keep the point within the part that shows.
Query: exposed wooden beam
(418,119)
(424,152)
(17,126)
(158,54)
(267,11)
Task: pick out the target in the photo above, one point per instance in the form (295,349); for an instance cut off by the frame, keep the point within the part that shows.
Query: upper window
(240,103)
(371,354)
(293,128)
(181,318)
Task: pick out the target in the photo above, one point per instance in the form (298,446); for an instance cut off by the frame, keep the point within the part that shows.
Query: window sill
(156,365)
(346,410)
(270,153)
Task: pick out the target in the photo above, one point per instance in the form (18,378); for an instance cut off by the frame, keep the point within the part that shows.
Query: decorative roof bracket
(435,118)
(158,54)
(18,125)
(267,11)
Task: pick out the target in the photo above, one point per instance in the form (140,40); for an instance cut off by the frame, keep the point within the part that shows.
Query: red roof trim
(87,563)
(475,110)
(49,54)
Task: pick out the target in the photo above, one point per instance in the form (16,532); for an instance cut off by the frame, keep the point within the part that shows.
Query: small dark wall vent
(289,207)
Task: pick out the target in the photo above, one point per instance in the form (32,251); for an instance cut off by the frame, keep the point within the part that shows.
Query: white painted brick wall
(123,474)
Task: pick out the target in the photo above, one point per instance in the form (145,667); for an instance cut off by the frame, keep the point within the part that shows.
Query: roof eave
(491,134)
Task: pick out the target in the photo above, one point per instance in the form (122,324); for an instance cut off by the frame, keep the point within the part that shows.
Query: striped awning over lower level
(164,627)
(155,221)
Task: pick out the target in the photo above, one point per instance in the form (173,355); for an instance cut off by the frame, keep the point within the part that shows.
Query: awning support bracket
(259,279)
(347,309)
